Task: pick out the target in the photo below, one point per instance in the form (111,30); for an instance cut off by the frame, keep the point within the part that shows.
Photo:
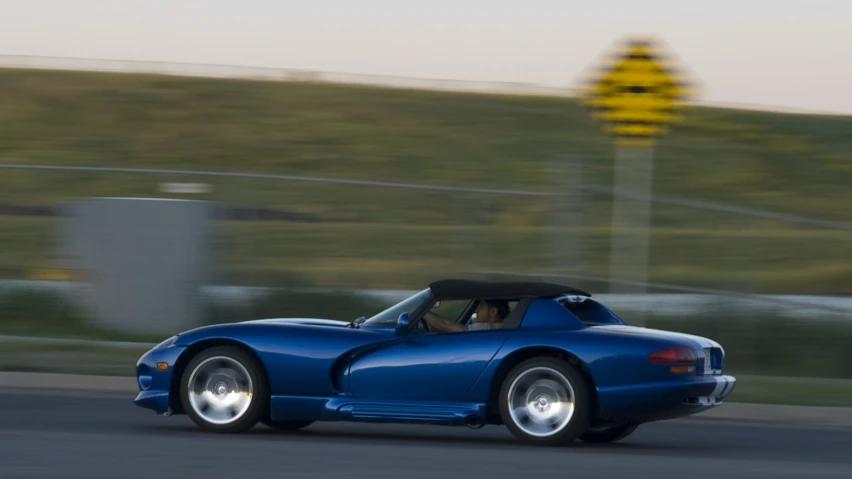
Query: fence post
(631,221)
(567,223)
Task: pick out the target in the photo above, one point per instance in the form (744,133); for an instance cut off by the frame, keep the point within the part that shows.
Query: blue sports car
(547,361)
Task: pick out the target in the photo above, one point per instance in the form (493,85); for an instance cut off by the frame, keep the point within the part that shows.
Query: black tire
(286,425)
(258,403)
(611,434)
(562,434)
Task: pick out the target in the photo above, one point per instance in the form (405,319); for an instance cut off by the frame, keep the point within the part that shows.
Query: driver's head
(492,311)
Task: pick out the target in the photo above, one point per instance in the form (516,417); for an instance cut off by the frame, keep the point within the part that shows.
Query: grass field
(69,359)
(797,391)
(388,237)
(396,238)
(386,255)
(757,342)
(795,163)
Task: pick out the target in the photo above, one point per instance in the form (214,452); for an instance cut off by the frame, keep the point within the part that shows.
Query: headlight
(166,343)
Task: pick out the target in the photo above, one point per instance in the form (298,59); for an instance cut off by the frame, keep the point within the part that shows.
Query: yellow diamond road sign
(637,94)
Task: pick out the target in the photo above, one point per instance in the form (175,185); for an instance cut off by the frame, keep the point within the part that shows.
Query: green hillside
(391,237)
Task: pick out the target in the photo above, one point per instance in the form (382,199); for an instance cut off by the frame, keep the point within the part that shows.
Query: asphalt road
(65,435)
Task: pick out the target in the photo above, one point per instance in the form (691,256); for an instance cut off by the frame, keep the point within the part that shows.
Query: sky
(775,54)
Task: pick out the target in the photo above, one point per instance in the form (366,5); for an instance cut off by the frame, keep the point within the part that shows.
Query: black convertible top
(470,289)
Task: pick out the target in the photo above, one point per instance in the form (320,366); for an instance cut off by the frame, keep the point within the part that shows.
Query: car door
(425,366)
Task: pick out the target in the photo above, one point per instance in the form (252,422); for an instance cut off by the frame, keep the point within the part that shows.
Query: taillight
(672,355)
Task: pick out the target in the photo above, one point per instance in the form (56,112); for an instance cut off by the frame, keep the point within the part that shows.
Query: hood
(300,321)
(658,333)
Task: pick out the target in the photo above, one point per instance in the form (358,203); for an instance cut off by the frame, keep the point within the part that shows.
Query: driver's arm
(442,324)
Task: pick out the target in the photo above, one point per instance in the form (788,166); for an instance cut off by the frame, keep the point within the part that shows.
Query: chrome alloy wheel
(220,390)
(541,401)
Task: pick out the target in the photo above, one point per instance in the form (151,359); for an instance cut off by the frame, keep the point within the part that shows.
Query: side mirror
(402,325)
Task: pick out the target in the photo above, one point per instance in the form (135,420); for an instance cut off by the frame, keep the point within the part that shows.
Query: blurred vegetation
(336,305)
(348,235)
(793,390)
(775,360)
(47,313)
(388,256)
(795,163)
(69,358)
(755,342)
(772,345)
(26,312)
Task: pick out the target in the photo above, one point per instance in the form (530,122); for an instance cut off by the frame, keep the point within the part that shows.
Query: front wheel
(223,389)
(611,434)
(545,401)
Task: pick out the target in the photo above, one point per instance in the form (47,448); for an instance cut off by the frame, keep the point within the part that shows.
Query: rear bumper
(663,400)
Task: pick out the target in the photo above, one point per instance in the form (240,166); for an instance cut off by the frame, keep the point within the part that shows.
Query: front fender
(155,384)
(298,358)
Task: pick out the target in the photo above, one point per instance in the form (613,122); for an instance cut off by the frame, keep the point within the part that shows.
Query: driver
(489,315)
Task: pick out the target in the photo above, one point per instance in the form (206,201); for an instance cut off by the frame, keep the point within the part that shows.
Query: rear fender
(548,314)
(609,360)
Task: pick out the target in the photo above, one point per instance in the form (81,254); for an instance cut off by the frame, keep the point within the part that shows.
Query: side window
(452,309)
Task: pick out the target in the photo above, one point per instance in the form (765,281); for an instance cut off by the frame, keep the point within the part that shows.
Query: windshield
(388,317)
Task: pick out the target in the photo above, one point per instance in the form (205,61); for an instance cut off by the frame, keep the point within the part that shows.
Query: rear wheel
(545,401)
(223,389)
(610,434)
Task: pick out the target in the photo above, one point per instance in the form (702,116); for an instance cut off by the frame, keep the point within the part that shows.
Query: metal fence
(296,230)
(715,269)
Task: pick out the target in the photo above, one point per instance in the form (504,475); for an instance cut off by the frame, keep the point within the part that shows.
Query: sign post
(636,95)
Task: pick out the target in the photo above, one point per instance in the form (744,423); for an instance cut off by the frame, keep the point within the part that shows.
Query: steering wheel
(422,325)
